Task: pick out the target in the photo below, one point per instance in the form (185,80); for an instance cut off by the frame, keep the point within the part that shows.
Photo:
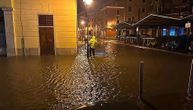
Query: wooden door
(46,34)
(46,41)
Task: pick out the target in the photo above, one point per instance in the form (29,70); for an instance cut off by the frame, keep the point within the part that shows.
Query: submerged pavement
(70,82)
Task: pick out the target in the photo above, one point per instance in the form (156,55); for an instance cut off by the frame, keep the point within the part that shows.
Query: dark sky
(96,5)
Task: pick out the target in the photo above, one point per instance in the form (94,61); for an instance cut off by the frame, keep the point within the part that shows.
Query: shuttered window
(46,20)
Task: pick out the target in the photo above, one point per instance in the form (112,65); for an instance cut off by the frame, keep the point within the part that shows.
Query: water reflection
(68,82)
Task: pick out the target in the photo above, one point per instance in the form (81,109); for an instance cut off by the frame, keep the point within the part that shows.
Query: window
(118,21)
(129,9)
(181,31)
(118,12)
(129,19)
(1,23)
(172,31)
(46,20)
(164,32)
(143,10)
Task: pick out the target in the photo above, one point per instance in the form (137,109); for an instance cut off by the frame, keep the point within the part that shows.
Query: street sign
(188,25)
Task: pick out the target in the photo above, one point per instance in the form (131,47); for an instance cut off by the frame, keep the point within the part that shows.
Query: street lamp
(87,3)
(82,22)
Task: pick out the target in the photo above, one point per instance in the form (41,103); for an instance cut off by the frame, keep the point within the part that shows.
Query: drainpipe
(22,35)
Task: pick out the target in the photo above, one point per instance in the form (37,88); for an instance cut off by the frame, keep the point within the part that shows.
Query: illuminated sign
(188,25)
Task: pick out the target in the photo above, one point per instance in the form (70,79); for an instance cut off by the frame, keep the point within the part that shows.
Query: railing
(131,40)
(148,41)
(167,43)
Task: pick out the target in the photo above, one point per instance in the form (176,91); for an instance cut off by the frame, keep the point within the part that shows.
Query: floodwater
(69,82)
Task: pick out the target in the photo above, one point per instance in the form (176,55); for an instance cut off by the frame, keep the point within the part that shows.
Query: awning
(188,18)
(154,20)
(124,25)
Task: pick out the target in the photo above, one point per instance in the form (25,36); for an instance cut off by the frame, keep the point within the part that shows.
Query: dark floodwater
(68,82)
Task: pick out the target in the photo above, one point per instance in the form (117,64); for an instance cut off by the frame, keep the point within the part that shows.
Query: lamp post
(87,3)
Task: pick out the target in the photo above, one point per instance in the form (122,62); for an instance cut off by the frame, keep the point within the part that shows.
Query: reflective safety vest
(92,42)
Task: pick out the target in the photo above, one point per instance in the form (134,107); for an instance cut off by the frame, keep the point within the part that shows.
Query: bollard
(141,87)
(141,79)
(190,83)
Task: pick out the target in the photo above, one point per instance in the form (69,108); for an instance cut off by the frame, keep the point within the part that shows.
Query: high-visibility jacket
(92,42)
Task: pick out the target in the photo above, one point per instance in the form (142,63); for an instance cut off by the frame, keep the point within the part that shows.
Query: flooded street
(68,82)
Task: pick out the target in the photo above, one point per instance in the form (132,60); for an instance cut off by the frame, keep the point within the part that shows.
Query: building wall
(65,23)
(133,10)
(136,9)
(25,22)
(5,3)
(111,16)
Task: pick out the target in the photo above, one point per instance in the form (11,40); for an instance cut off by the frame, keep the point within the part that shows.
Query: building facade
(174,8)
(38,27)
(117,11)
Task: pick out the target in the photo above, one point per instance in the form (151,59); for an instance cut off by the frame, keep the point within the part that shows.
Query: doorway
(2,35)
(46,34)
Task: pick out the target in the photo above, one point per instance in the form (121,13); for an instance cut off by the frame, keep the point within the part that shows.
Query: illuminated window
(172,31)
(181,31)
(164,32)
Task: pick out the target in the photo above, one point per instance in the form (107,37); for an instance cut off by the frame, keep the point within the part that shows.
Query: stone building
(38,27)
(174,8)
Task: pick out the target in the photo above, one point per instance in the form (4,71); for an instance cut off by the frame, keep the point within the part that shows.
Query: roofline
(161,16)
(112,7)
(187,17)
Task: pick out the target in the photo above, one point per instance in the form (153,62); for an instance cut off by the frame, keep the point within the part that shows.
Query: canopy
(124,25)
(188,18)
(154,20)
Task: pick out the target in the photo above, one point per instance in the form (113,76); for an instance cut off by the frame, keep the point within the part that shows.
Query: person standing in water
(92,43)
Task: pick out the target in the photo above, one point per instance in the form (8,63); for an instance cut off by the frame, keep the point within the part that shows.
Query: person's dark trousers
(92,52)
(88,50)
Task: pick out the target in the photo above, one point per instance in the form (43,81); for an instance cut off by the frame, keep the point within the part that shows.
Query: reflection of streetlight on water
(87,3)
